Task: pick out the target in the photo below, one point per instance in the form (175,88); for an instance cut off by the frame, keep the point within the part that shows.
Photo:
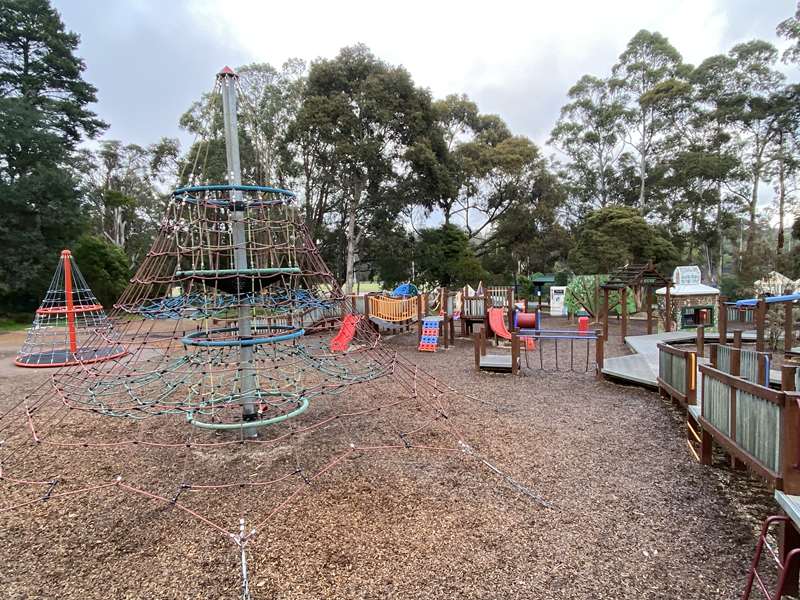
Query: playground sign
(557,293)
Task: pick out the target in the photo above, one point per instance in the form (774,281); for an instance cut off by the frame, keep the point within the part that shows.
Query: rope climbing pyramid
(70,326)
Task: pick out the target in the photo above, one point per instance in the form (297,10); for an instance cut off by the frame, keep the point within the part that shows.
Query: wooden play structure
(386,313)
(501,363)
(640,280)
(761,315)
(475,306)
(527,335)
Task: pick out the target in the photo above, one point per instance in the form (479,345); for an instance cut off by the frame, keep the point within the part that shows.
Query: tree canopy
(649,159)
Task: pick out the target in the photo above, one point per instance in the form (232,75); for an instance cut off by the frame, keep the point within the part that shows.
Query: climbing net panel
(70,326)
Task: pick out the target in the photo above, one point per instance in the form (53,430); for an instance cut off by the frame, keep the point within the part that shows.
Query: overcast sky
(151,58)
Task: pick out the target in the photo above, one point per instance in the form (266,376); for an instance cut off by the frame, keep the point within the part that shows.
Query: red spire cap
(65,253)
(227,72)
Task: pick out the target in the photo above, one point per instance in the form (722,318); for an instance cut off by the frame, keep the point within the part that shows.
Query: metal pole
(66,258)
(247,374)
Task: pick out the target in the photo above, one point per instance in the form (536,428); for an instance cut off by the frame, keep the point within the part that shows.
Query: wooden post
(790,540)
(510,312)
(705,447)
(789,537)
(649,301)
(514,354)
(713,355)
(486,305)
(667,310)
(420,315)
(701,340)
(691,373)
(788,327)
(736,355)
(605,313)
(722,319)
(483,342)
(596,298)
(790,433)
(761,324)
(623,300)
(599,352)
(477,343)
(762,375)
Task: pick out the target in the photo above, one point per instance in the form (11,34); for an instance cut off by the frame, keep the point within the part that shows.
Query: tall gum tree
(366,115)
(648,60)
(590,133)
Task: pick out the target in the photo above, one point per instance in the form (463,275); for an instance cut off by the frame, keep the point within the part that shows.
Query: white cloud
(472,47)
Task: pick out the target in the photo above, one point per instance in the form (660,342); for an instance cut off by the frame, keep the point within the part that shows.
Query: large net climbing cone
(70,326)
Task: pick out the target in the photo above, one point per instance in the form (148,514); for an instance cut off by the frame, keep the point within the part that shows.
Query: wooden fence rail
(751,365)
(677,371)
(754,424)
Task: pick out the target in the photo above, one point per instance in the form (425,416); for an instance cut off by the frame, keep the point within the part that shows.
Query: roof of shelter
(688,283)
(634,276)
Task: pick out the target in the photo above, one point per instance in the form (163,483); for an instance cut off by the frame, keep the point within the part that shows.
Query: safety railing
(746,363)
(473,307)
(753,423)
(393,309)
(500,296)
(744,315)
(677,373)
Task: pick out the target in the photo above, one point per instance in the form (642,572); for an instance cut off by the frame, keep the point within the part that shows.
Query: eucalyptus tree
(365,115)
(268,100)
(753,105)
(648,60)
(789,29)
(591,133)
(122,194)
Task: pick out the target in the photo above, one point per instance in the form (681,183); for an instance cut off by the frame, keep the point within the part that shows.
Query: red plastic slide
(342,339)
(497,323)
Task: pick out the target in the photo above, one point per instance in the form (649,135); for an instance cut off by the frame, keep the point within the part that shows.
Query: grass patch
(14,323)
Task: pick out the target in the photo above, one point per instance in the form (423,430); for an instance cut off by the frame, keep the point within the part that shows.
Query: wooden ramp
(642,367)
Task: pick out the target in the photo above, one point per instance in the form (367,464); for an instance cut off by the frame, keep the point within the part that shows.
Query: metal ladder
(782,566)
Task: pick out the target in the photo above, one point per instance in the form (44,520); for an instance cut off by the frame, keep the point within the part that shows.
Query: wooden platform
(790,505)
(496,362)
(642,367)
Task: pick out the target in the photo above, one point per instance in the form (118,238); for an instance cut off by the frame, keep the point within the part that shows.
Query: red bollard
(583,324)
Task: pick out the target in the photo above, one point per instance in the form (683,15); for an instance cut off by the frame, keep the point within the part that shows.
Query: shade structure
(70,326)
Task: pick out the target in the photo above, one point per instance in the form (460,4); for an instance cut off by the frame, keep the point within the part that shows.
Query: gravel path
(630,514)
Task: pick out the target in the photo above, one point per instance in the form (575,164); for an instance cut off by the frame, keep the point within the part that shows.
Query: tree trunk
(781,197)
(719,233)
(351,240)
(751,232)
(643,165)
